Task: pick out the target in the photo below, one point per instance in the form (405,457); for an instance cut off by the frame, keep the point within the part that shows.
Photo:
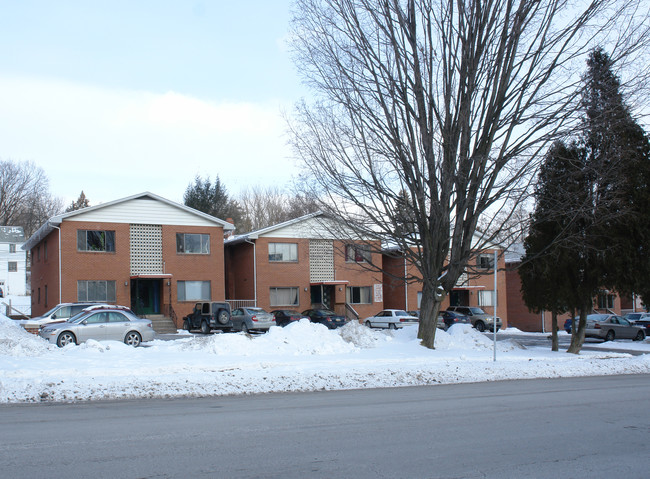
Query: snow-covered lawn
(300,357)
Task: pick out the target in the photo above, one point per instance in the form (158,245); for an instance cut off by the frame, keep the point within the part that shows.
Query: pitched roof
(54,221)
(12,234)
(269,229)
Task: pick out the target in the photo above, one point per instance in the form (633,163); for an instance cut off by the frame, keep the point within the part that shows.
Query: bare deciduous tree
(448,101)
(24,196)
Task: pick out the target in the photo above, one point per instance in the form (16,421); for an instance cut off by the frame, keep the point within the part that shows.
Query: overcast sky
(119,97)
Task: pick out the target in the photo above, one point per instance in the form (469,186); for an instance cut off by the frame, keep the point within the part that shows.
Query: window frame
(182,243)
(109,289)
(487,257)
(200,283)
(482,295)
(350,294)
(273,297)
(358,253)
(293,252)
(106,240)
(11,264)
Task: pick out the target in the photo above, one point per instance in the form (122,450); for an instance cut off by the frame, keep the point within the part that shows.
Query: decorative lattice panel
(146,249)
(321,261)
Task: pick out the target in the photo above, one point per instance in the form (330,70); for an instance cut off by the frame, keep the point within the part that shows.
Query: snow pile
(16,342)
(301,357)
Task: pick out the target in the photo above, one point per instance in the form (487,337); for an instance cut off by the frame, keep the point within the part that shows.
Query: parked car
(59,313)
(391,319)
(479,318)
(101,323)
(325,316)
(447,319)
(2,293)
(207,316)
(611,326)
(640,319)
(286,316)
(251,319)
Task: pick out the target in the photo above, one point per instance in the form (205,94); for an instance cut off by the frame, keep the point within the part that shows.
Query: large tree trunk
(578,335)
(554,341)
(429,309)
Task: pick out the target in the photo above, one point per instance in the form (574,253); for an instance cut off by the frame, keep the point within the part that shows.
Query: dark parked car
(640,319)
(326,317)
(449,318)
(287,316)
(208,316)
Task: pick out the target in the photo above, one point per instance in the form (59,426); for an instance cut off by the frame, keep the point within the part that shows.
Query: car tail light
(150,325)
(596,326)
(254,318)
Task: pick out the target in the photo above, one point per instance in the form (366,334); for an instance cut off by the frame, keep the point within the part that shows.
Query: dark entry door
(459,297)
(145,296)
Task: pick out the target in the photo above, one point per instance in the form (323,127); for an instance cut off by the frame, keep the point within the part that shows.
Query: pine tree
(82,202)
(211,198)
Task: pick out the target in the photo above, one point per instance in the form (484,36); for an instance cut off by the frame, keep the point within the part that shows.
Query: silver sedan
(610,327)
(101,323)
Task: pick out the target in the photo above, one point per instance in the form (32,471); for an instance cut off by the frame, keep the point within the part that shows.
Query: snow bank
(301,357)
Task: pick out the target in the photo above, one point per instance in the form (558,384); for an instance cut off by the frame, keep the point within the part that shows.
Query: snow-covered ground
(300,357)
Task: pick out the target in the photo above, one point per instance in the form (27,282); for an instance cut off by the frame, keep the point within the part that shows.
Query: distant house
(146,252)
(13,267)
(302,264)
(474,287)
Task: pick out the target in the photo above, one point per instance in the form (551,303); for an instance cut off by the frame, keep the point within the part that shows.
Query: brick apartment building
(302,264)
(474,288)
(143,251)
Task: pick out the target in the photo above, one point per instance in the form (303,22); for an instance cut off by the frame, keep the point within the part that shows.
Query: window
(283,252)
(89,240)
(44,250)
(96,291)
(357,253)
(188,243)
(45,304)
(194,291)
(485,261)
(486,298)
(12,248)
(12,266)
(605,301)
(359,295)
(284,297)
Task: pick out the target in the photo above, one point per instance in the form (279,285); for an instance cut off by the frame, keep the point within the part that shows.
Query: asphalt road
(564,340)
(594,427)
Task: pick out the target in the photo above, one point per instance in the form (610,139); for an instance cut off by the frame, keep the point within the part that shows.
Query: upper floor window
(485,261)
(91,240)
(192,243)
(283,252)
(357,253)
(12,266)
(12,248)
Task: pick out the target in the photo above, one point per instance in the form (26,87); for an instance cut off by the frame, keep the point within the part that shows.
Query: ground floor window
(96,291)
(359,295)
(419,299)
(605,301)
(486,298)
(194,291)
(284,296)
(12,266)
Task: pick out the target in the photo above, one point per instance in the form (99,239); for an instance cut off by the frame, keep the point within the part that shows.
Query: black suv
(208,316)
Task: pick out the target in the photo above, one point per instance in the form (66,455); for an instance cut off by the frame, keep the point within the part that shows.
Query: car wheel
(640,336)
(610,335)
(223,317)
(244,328)
(186,325)
(66,338)
(392,326)
(205,327)
(480,326)
(368,324)
(133,338)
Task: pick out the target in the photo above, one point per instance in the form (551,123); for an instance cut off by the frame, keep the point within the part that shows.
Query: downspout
(254,268)
(59,230)
(406,287)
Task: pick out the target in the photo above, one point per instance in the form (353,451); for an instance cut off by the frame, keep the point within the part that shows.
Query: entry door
(145,296)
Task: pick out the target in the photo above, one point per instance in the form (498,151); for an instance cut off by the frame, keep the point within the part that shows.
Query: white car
(59,313)
(391,319)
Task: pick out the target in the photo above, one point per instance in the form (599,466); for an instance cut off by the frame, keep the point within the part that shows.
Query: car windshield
(291,312)
(477,311)
(51,311)
(401,313)
(255,310)
(78,317)
(633,316)
(327,312)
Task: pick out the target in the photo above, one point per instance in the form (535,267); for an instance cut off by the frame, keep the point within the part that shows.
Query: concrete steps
(162,324)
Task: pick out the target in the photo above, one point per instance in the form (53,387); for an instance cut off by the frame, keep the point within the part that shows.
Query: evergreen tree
(82,202)
(212,199)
